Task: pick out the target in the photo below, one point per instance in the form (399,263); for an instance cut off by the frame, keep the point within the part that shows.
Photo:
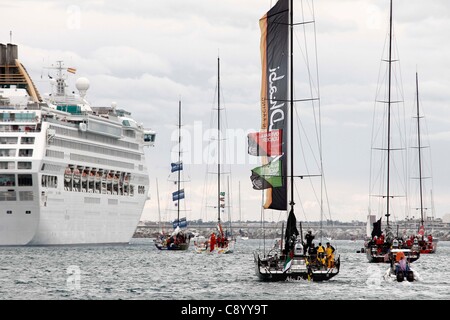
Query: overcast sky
(145,55)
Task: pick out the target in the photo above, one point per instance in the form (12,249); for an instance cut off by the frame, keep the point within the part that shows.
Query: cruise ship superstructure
(70,173)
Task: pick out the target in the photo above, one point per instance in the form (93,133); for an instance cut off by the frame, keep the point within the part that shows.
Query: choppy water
(140,271)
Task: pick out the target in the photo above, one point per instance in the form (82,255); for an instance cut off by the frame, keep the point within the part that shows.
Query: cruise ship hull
(64,221)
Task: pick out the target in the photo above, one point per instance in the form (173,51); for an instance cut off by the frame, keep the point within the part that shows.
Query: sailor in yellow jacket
(330,255)
(321,254)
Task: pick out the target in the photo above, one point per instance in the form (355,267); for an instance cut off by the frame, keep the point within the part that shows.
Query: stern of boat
(18,223)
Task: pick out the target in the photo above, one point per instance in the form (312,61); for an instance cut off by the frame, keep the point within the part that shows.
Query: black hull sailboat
(287,260)
(375,256)
(302,267)
(292,264)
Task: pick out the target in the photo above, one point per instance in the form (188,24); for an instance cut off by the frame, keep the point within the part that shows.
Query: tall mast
(420,150)
(179,159)
(240,212)
(218,139)
(389,118)
(159,208)
(291,55)
(229,205)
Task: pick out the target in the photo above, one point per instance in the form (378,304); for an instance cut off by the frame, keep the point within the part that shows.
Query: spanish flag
(72,70)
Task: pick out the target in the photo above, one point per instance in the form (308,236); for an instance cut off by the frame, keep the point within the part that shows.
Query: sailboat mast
(179,159)
(240,211)
(389,118)
(159,208)
(291,56)
(229,205)
(420,149)
(218,139)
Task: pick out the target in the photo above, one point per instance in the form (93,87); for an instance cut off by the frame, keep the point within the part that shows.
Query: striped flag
(266,143)
(268,176)
(72,70)
(287,264)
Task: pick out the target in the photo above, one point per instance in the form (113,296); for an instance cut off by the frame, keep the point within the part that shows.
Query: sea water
(140,271)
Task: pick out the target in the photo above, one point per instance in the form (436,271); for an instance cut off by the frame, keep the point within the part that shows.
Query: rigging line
(206,185)
(323,184)
(318,198)
(317,129)
(309,144)
(429,162)
(305,56)
(179,157)
(299,124)
(310,77)
(262,223)
(301,202)
(401,125)
(382,128)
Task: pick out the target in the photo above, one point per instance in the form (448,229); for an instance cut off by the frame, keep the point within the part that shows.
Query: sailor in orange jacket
(399,256)
(212,242)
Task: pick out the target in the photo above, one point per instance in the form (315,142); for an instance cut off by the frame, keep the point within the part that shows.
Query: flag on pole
(266,143)
(267,176)
(178,195)
(176,166)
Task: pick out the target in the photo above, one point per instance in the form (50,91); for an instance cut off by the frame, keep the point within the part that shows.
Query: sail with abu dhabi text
(274,89)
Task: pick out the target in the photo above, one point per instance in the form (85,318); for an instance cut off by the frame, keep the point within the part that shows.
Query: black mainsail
(274,47)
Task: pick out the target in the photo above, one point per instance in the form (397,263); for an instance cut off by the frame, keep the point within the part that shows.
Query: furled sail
(376,231)
(291,232)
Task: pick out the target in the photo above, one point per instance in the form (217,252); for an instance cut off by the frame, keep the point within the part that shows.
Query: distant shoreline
(272,230)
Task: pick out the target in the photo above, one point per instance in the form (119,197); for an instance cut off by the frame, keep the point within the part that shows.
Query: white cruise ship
(70,173)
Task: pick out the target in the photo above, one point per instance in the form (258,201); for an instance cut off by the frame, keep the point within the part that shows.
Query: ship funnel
(11,54)
(2,54)
(82,86)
